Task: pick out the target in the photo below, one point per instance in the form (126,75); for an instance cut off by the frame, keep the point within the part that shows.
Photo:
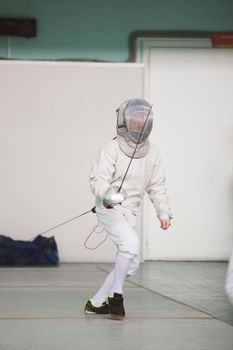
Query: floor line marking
(44,269)
(98,317)
(59,286)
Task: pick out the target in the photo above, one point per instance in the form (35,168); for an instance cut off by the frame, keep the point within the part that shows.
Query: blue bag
(40,251)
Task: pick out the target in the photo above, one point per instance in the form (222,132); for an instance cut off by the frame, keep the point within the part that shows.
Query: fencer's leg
(122,266)
(113,282)
(116,305)
(119,223)
(103,293)
(134,266)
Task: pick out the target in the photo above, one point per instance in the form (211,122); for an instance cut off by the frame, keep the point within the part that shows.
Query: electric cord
(65,222)
(95,229)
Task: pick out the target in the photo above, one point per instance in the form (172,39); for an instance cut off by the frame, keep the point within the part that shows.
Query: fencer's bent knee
(133,267)
(130,248)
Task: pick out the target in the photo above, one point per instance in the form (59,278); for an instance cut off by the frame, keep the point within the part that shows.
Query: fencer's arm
(157,192)
(102,171)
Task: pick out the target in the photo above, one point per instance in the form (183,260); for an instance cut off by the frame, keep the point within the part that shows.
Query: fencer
(229,280)
(118,204)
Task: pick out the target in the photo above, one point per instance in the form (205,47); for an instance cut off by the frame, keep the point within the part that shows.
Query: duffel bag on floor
(40,251)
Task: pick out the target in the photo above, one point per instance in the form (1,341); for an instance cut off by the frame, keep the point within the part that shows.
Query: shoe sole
(93,313)
(117,317)
(89,312)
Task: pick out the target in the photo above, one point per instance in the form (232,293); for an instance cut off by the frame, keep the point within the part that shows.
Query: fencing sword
(66,222)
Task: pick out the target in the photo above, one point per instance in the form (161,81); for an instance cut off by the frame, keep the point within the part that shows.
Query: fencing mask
(134,123)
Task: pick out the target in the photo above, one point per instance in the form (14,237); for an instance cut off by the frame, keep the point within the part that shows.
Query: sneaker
(116,307)
(99,310)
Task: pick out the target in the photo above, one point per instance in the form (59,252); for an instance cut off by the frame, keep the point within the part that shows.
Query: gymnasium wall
(99,30)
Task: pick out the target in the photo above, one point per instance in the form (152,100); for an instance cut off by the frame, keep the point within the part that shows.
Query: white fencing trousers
(229,279)
(120,224)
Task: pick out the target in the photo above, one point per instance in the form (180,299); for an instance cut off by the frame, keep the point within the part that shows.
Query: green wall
(84,29)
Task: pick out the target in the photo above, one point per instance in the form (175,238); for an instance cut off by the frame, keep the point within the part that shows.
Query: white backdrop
(191,90)
(54,118)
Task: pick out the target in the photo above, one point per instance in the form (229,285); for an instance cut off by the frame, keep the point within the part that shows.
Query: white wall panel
(54,118)
(191,90)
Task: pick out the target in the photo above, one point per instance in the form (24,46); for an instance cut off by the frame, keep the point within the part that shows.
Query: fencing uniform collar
(128,147)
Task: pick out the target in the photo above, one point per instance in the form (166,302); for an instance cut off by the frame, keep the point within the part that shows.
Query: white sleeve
(102,171)
(157,191)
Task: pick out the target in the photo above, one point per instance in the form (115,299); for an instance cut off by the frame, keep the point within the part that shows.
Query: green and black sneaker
(98,310)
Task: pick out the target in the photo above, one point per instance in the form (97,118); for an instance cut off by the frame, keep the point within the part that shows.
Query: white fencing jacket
(145,174)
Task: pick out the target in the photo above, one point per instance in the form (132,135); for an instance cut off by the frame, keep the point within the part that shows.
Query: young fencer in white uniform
(229,280)
(118,203)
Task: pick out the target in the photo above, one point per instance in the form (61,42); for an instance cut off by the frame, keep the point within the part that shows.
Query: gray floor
(169,305)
